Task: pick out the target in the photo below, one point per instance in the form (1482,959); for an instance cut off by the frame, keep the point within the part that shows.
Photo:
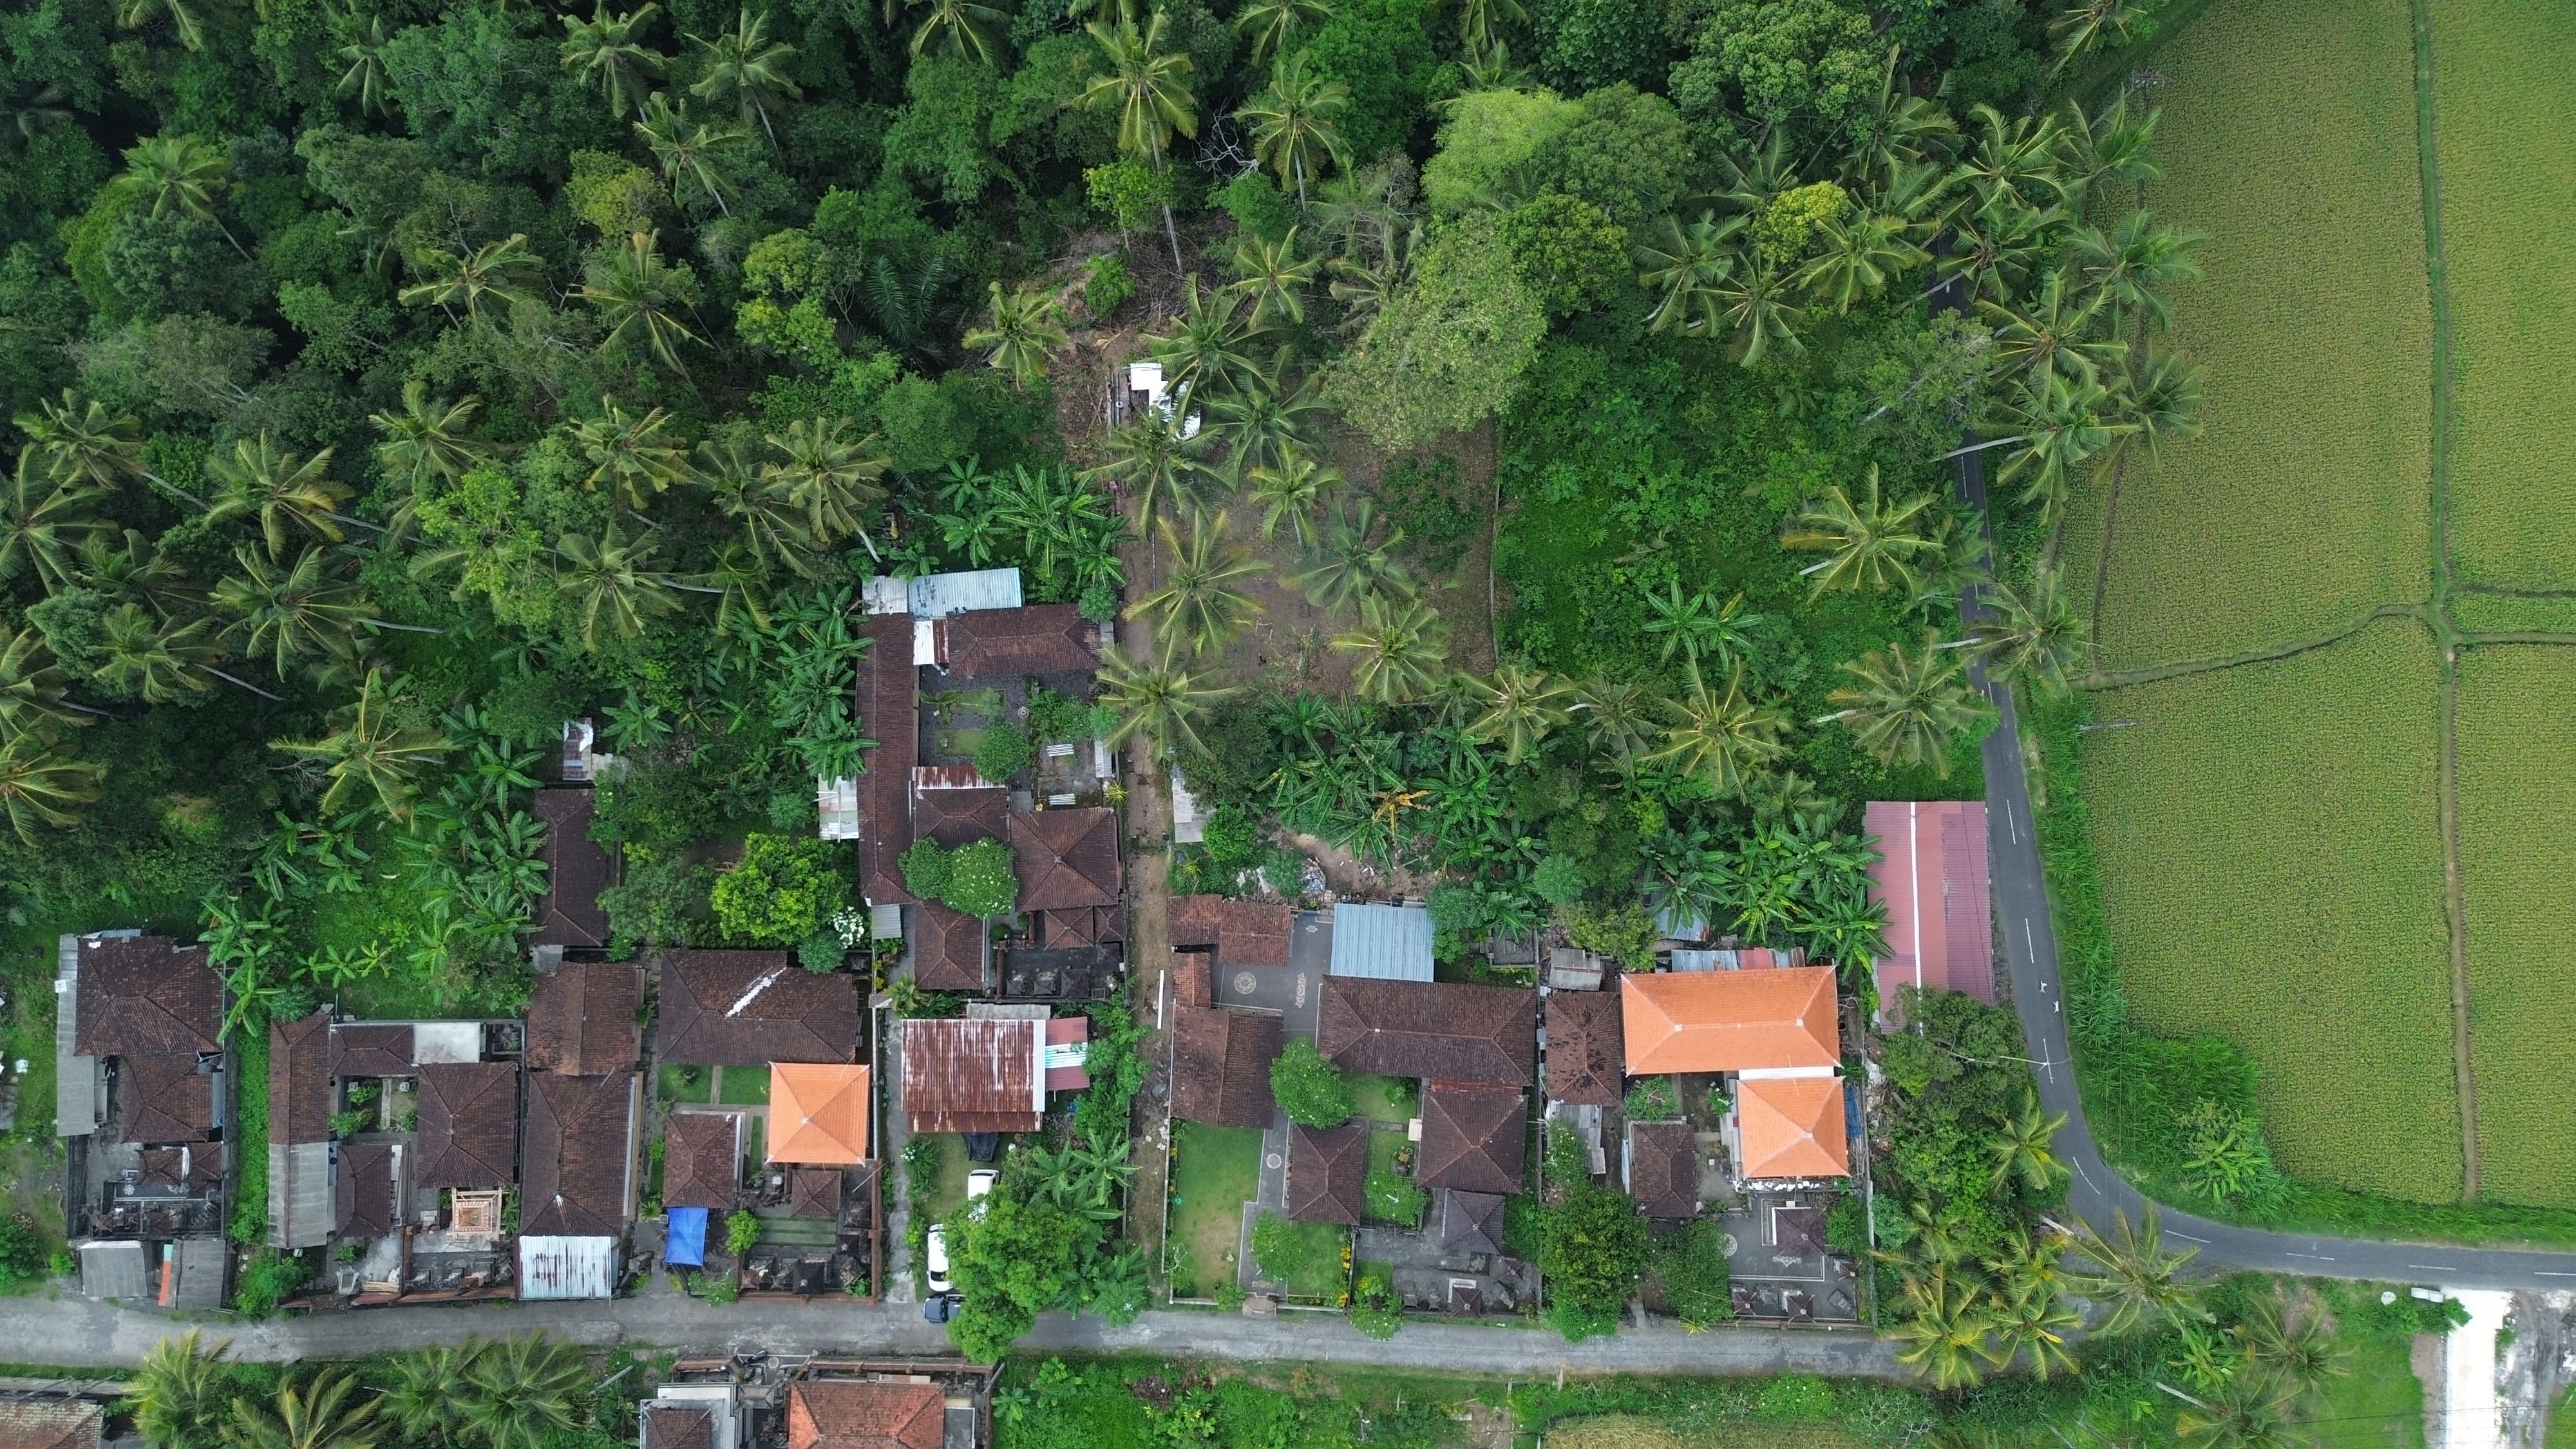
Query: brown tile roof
(1729,1021)
(814,1192)
(743,1008)
(1221,1066)
(371,1051)
(947,949)
(1584,1054)
(1193,978)
(674,1424)
(469,1125)
(1078,926)
(969,1075)
(1244,933)
(1663,1169)
(1445,1030)
(578,868)
(165,1099)
(1474,1138)
(701,1159)
(1066,857)
(149,996)
(50,1424)
(1791,1127)
(1471,1222)
(181,1169)
(581,1155)
(1327,1173)
(888,695)
(1008,643)
(583,1020)
(299,1080)
(954,817)
(840,1414)
(366,1191)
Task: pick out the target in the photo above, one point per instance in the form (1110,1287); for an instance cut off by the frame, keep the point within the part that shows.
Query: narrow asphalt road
(71,1332)
(2097,1193)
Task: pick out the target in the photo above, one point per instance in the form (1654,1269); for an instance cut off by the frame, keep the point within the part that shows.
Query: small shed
(1387,943)
(557,1269)
(114,1271)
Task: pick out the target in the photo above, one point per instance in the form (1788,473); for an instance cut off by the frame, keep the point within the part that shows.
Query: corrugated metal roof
(301,1201)
(837,802)
(1388,943)
(114,1270)
(197,1273)
(936,596)
(76,1077)
(446,1041)
(556,1269)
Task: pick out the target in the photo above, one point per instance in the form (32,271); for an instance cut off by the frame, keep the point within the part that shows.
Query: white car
(935,1253)
(980,1182)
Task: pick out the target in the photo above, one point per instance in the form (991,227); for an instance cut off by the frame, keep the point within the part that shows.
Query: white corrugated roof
(556,1269)
(936,596)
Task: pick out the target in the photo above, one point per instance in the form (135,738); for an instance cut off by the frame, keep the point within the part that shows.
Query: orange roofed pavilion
(1791,1127)
(818,1113)
(1730,1021)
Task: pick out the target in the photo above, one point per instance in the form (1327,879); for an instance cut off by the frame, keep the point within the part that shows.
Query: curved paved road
(2030,953)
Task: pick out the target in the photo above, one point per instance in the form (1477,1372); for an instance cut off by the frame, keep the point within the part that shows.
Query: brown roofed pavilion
(1244,933)
(578,868)
(1663,1169)
(581,1155)
(363,1049)
(701,1159)
(583,1022)
(165,1099)
(1327,1173)
(1442,1030)
(843,1414)
(366,1190)
(947,949)
(888,692)
(1473,1138)
(469,1125)
(1584,1051)
(749,1008)
(955,816)
(1065,857)
(149,996)
(1221,1066)
(299,1080)
(1007,643)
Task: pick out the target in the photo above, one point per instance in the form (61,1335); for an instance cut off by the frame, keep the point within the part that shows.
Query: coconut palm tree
(1263,424)
(641,296)
(2130,267)
(1479,19)
(362,61)
(427,442)
(81,442)
(2132,1272)
(428,1391)
(184,18)
(496,272)
(1157,701)
(156,660)
(42,522)
(291,613)
(2012,158)
(748,66)
(2034,1326)
(2160,401)
(1273,277)
(693,154)
(1152,463)
(610,579)
(609,50)
(832,476)
(1685,267)
(320,1413)
(2031,635)
(1292,495)
(1273,27)
(1718,735)
(1400,650)
(185,174)
(2055,427)
(2299,1353)
(370,752)
(1293,122)
(1907,708)
(279,489)
(2107,148)
(1858,256)
(2249,1411)
(180,1396)
(2020,1148)
(1021,331)
(634,457)
(1207,352)
(2053,331)
(1150,87)
(773,526)
(1995,248)
(962,28)
(1202,603)
(523,1391)
(1875,544)
(32,686)
(40,787)
(1893,128)
(1517,705)
(1700,627)
(2088,25)
(1753,310)
(1350,562)
(1946,1333)
(1619,719)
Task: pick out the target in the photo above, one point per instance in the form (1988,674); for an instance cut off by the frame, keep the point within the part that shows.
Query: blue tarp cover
(686,1244)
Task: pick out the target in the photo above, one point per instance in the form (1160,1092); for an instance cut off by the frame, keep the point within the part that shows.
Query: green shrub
(1626,933)
(820,952)
(1375,1308)
(1595,1253)
(1558,880)
(1005,751)
(925,869)
(980,882)
(741,1231)
(1651,1100)
(1697,1282)
(1105,284)
(1308,1088)
(783,890)
(719,1288)
(22,1250)
(265,1280)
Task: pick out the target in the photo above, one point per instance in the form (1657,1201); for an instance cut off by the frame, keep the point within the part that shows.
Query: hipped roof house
(585,1019)
(948,949)
(1327,1173)
(745,1008)
(845,1414)
(578,868)
(302,1207)
(1473,1138)
(582,1140)
(1442,1030)
(1066,858)
(1244,933)
(146,996)
(468,1129)
(1791,1127)
(701,1159)
(818,1114)
(1730,1021)
(1011,643)
(1585,1048)
(1221,1065)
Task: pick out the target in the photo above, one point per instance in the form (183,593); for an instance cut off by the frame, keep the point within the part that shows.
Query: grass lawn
(744,1086)
(676,1085)
(1382,1148)
(1215,1171)
(2562,1422)
(948,1185)
(2376,1404)
(1304,1258)
(1384,1099)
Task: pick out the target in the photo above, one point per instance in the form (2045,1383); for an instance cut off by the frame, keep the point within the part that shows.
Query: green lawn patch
(948,1184)
(745,1087)
(1384,1099)
(1215,1171)
(1390,1195)
(683,1084)
(2378,1402)
(1309,1260)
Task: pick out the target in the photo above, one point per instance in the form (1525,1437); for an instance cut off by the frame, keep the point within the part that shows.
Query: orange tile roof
(1791,1127)
(818,1113)
(1730,1021)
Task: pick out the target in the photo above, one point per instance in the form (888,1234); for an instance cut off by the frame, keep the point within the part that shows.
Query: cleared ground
(2289,137)
(2272,872)
(2505,106)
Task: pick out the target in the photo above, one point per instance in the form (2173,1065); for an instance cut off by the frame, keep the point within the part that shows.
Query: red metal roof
(1932,879)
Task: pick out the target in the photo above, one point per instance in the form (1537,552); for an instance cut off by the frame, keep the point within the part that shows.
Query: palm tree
(2130,267)
(691,153)
(292,613)
(640,295)
(370,751)
(523,1391)
(31,688)
(1518,705)
(362,58)
(498,271)
(184,174)
(281,489)
(1945,1332)
(1700,627)
(1894,128)
(1292,495)
(773,526)
(180,1397)
(1202,602)
(637,457)
(1156,466)
(82,442)
(1206,350)
(1995,248)
(1906,708)
(1858,257)
(963,28)
(1263,425)
(147,658)
(2033,1323)
(610,49)
(2020,1147)
(2031,636)
(1685,267)
(1619,718)
(2299,1353)
(2015,158)
(428,1390)
(1719,736)
(2250,1411)
(2107,148)
(2052,332)
(611,579)
(1292,122)
(2087,25)
(1150,86)
(41,522)
(1753,311)
(1157,701)
(316,1414)
(2132,1272)
(183,18)
(1874,543)
(1021,331)
(1399,651)
(2055,426)
(1349,563)
(1478,20)
(1273,277)
(1275,26)
(747,65)
(425,444)
(830,475)
(40,787)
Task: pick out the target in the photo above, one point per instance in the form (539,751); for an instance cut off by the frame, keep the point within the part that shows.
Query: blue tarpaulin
(686,1244)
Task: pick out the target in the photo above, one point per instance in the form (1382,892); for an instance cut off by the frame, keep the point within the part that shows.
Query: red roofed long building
(1931,876)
